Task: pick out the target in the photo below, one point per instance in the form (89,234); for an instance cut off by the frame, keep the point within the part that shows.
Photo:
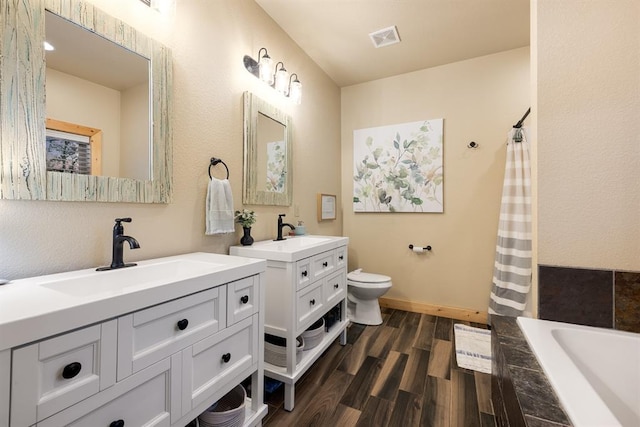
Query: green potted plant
(246,218)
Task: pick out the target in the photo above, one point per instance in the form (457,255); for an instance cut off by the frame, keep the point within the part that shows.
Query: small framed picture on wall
(326,206)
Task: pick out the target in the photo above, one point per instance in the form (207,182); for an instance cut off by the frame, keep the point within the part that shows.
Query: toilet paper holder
(420,248)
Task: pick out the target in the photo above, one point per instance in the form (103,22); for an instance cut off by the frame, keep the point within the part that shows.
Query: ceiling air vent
(385,36)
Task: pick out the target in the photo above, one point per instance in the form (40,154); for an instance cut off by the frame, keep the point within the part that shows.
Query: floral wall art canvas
(276,166)
(398,168)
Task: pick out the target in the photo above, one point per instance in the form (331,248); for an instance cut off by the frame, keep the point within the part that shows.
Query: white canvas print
(398,168)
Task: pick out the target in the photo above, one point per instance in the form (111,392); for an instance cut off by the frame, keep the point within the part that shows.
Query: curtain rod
(519,124)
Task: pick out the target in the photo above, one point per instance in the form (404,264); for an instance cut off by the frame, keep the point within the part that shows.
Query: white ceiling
(335,33)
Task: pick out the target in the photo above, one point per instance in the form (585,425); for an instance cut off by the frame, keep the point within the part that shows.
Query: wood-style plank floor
(402,373)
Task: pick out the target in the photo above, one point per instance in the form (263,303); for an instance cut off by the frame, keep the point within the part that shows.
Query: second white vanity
(153,345)
(306,279)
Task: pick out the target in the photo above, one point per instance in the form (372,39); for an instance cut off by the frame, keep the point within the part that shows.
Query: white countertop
(291,249)
(38,307)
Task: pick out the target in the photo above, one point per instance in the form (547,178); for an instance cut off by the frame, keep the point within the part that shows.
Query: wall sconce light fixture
(276,77)
(295,89)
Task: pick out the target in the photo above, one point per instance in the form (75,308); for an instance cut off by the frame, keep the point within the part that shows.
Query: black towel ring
(215,161)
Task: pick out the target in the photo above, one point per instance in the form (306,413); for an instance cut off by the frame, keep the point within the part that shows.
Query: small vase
(246,239)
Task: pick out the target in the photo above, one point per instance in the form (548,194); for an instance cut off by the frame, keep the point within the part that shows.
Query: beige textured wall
(588,102)
(479,99)
(208,40)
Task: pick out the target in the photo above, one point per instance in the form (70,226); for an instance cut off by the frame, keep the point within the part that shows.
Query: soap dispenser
(300,229)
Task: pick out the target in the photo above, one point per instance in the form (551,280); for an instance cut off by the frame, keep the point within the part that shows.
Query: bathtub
(595,372)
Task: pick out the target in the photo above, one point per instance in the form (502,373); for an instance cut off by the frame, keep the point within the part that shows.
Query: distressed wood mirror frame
(251,194)
(23,172)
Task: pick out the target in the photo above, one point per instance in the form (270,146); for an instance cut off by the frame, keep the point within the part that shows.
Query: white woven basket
(276,354)
(314,335)
(226,412)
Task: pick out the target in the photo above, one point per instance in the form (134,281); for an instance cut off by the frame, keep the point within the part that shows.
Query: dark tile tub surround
(627,301)
(602,298)
(520,391)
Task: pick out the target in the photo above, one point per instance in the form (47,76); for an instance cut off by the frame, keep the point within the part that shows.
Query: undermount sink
(290,249)
(130,278)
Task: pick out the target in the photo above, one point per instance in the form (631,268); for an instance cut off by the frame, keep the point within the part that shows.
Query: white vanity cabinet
(305,279)
(161,361)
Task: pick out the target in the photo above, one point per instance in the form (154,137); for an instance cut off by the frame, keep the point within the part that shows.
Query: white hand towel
(219,207)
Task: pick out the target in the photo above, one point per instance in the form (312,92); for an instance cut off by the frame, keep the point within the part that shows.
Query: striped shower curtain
(512,268)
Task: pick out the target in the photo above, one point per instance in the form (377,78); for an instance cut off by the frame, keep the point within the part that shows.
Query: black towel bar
(215,161)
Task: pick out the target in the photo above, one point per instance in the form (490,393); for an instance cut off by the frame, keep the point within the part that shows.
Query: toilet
(363,290)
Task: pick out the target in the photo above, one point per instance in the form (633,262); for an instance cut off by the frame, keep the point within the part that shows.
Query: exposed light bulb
(282,79)
(295,91)
(266,69)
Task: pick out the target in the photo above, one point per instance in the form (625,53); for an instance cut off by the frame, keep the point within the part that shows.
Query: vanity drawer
(150,335)
(341,257)
(243,299)
(309,302)
(209,365)
(143,399)
(53,374)
(334,288)
(323,264)
(303,273)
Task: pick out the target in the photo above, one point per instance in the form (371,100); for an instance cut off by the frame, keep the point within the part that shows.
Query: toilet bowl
(363,290)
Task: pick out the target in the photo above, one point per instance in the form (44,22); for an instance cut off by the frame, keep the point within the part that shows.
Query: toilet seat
(358,276)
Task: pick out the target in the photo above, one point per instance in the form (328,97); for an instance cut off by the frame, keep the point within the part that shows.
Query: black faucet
(281,225)
(118,242)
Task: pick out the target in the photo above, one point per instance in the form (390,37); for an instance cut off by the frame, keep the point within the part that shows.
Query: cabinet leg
(343,337)
(289,395)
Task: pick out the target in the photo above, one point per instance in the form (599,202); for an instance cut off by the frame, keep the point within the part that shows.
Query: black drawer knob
(341,257)
(182,324)
(325,264)
(336,286)
(226,357)
(244,299)
(312,302)
(71,370)
(304,273)
(119,423)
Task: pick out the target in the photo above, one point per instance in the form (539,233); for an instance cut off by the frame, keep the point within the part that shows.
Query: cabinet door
(56,373)
(150,335)
(142,399)
(308,305)
(303,273)
(209,365)
(243,299)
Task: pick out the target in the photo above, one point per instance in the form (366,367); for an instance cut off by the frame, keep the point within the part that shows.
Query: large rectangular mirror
(267,154)
(125,143)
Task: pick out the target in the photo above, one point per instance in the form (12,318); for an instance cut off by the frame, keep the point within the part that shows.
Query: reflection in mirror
(91,82)
(268,147)
(272,155)
(23,115)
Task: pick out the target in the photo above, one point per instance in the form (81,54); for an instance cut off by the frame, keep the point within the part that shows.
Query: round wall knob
(244,299)
(182,324)
(119,423)
(71,370)
(226,357)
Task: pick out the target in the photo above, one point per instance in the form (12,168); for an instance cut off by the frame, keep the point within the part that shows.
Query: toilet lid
(362,277)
